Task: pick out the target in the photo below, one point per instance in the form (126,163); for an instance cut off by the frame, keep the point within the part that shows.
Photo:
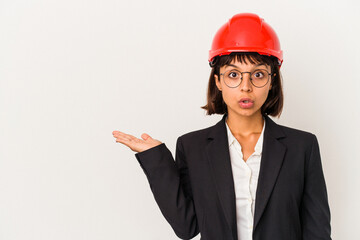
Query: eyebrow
(232,65)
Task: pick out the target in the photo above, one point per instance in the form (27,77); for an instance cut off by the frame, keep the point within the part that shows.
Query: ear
(217,82)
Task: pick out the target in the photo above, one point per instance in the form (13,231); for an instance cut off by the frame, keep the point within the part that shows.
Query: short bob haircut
(274,102)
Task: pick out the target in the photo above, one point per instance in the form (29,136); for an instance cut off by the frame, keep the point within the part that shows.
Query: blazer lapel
(272,157)
(219,160)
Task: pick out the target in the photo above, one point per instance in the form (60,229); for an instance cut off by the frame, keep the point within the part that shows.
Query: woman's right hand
(136,144)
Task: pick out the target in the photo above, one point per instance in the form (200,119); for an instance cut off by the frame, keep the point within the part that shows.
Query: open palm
(136,144)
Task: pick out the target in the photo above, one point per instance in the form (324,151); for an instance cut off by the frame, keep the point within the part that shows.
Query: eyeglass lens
(259,77)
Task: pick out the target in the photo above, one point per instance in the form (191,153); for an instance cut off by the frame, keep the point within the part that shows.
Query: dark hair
(274,102)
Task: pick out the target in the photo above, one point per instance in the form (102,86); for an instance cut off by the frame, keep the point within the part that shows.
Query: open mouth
(246,103)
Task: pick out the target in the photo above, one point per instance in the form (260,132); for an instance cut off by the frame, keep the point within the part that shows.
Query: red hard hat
(246,32)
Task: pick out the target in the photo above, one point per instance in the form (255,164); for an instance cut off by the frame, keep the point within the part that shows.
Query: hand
(136,144)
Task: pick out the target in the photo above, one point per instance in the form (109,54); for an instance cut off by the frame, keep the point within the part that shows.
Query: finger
(145,136)
(116,133)
(129,138)
(124,141)
(121,140)
(124,135)
(132,137)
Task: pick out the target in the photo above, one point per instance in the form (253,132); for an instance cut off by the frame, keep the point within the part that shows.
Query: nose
(245,84)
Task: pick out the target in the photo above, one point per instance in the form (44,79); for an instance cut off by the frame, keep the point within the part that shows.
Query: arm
(315,211)
(169,182)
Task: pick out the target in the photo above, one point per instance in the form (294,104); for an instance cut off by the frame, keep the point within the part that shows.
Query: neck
(243,125)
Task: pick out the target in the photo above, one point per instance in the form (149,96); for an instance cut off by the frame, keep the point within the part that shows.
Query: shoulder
(195,141)
(196,134)
(297,138)
(300,144)
(279,130)
(295,132)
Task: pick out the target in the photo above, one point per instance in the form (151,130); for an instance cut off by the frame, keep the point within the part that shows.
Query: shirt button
(250,226)
(250,200)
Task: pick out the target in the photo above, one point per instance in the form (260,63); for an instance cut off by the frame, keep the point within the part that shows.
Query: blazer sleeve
(315,211)
(170,185)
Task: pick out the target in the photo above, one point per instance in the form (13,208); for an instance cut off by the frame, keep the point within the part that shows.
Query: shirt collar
(259,144)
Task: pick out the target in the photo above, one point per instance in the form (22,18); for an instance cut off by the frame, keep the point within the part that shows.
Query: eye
(259,74)
(233,74)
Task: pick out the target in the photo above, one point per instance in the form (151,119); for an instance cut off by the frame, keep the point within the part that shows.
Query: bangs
(245,57)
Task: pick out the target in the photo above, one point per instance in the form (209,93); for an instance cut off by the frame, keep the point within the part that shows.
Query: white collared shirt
(245,176)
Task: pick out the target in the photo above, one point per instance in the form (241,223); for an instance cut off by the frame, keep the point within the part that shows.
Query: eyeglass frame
(241,73)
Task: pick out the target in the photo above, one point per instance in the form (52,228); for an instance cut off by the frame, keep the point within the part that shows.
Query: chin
(245,112)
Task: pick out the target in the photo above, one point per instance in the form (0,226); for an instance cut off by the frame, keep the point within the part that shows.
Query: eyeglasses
(259,77)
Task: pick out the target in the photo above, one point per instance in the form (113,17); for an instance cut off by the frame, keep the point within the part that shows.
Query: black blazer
(196,192)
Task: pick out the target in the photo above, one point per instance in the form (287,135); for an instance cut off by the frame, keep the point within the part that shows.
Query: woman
(245,177)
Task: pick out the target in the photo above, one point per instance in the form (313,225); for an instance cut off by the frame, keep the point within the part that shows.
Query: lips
(246,99)
(246,103)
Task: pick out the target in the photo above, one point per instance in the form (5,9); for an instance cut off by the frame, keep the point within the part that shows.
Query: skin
(245,124)
(136,144)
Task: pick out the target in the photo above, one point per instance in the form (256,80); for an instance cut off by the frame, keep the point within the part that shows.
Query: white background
(73,71)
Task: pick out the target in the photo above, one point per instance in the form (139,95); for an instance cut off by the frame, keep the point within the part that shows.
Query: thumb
(145,136)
